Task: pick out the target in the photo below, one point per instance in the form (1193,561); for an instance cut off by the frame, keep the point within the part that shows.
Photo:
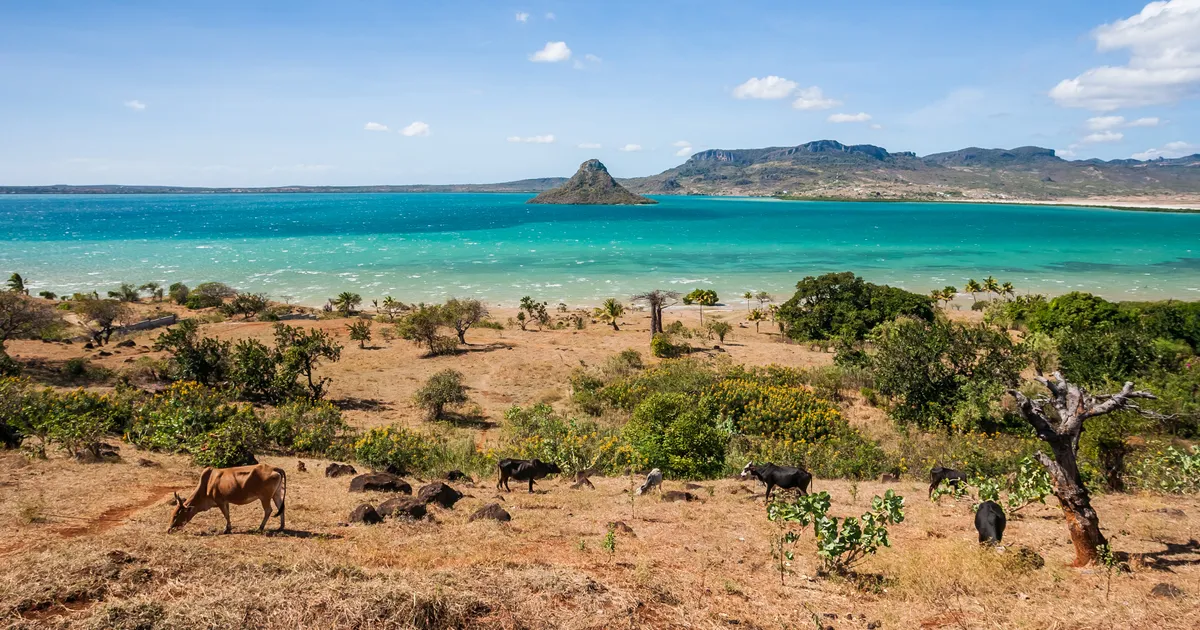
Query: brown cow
(240,485)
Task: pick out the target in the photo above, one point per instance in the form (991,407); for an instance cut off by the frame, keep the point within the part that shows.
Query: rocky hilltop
(591,185)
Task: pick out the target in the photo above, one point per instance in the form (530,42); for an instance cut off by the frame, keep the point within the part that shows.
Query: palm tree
(346,301)
(748,296)
(973,287)
(16,284)
(756,316)
(1008,290)
(154,289)
(991,286)
(610,311)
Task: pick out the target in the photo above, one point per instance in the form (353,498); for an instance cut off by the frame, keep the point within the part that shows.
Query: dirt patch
(116,515)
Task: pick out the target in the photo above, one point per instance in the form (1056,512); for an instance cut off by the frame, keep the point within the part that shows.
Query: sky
(352,92)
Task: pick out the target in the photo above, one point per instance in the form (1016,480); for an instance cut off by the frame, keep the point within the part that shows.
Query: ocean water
(426,247)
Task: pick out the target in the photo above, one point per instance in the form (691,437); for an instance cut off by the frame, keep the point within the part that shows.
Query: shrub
(846,454)
(661,346)
(310,428)
(773,411)
(253,373)
(204,360)
(841,548)
(172,420)
(300,353)
(844,304)
(720,329)
(392,448)
(245,304)
(1091,356)
(538,432)
(1170,470)
(360,331)
(674,434)
(443,388)
(178,293)
(231,443)
(685,376)
(423,326)
(462,314)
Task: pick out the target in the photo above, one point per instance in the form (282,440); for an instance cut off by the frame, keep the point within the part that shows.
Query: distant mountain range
(830,169)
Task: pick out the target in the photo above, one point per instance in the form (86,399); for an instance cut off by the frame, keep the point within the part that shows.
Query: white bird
(653,480)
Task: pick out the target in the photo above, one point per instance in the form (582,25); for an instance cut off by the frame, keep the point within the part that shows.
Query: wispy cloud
(522,17)
(546,139)
(417,128)
(374,126)
(552,52)
(1103,136)
(684,151)
(1100,123)
(768,87)
(1149,121)
(588,60)
(1168,150)
(849,118)
(812,98)
(550,16)
(135,105)
(589,145)
(631,148)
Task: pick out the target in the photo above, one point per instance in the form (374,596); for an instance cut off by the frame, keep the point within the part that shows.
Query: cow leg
(225,512)
(770,486)
(266,503)
(530,486)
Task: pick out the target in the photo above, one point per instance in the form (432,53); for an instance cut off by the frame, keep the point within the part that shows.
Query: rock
(1172,512)
(128,343)
(458,475)
(365,513)
(676,495)
(105,353)
(300,467)
(1169,591)
(129,360)
(1023,559)
(889,478)
(403,508)
(874,624)
(591,185)
(379,482)
(491,511)
(147,463)
(740,490)
(335,469)
(692,486)
(89,346)
(440,493)
(621,527)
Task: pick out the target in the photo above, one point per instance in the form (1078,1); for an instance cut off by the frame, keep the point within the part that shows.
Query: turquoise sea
(424,247)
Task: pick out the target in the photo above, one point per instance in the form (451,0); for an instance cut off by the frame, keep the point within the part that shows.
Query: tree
(702,298)
(301,352)
(532,311)
(991,285)
(154,289)
(669,431)
(462,314)
(720,329)
(1008,290)
(657,300)
(16,284)
(423,325)
(945,294)
(756,316)
(125,293)
(610,311)
(973,287)
(346,302)
(21,317)
(178,292)
(208,295)
(101,317)
(845,305)
(49,295)
(360,331)
(763,298)
(246,304)
(443,388)
(1060,427)
(748,295)
(390,307)
(194,358)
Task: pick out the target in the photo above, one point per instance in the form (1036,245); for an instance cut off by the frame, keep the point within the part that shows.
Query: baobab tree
(1060,426)
(657,300)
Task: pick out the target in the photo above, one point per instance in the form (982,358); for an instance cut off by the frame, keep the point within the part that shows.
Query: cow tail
(283,495)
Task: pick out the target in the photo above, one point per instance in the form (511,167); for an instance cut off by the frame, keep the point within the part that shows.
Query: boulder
(403,508)
(366,514)
(379,482)
(676,495)
(147,463)
(622,528)
(491,511)
(335,469)
(1169,591)
(128,343)
(300,467)
(458,475)
(440,493)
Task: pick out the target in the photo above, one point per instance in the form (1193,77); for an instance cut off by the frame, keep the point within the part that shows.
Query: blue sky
(271,93)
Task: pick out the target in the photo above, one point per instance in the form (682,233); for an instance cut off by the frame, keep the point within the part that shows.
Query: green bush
(254,374)
(846,454)
(842,304)
(204,360)
(662,347)
(392,448)
(773,411)
(673,433)
(538,432)
(309,427)
(442,389)
(231,443)
(840,548)
(685,376)
(1168,469)
(172,420)
(178,293)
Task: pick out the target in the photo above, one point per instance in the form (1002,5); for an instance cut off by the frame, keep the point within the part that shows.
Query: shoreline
(1102,203)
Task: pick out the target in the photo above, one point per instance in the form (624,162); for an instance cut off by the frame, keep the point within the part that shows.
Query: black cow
(990,522)
(523,470)
(937,475)
(782,476)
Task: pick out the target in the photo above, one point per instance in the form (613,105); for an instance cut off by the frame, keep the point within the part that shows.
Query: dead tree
(657,300)
(1060,426)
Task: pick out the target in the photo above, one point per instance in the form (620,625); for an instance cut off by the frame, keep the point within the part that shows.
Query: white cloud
(417,128)
(1103,136)
(770,87)
(550,16)
(813,98)
(374,126)
(580,64)
(135,105)
(849,118)
(684,151)
(522,17)
(1149,121)
(681,143)
(1066,153)
(1164,60)
(546,139)
(631,148)
(876,126)
(1168,150)
(1100,123)
(592,58)
(589,145)
(552,52)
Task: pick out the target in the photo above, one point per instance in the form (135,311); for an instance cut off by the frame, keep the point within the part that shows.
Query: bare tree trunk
(1071,405)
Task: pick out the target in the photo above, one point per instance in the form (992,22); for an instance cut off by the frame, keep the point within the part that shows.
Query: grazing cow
(937,475)
(990,522)
(782,476)
(653,480)
(220,487)
(523,470)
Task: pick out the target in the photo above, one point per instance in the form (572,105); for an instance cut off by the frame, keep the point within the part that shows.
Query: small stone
(335,469)
(622,527)
(128,343)
(365,514)
(491,511)
(1169,591)
(440,493)
(147,463)
(379,482)
(874,624)
(403,508)
(458,475)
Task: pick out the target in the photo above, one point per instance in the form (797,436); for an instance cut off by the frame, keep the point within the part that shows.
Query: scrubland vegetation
(860,381)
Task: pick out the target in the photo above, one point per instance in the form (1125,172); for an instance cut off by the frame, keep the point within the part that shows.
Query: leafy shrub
(253,373)
(178,293)
(773,411)
(843,304)
(686,376)
(172,420)
(79,420)
(443,388)
(300,352)
(672,433)
(538,432)
(245,304)
(1170,470)
(1090,356)
(204,360)
(662,347)
(841,548)
(309,427)
(423,326)
(392,448)
(846,454)
(231,443)
(360,331)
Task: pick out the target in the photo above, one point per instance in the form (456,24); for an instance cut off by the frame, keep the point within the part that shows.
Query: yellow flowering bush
(774,411)
(573,444)
(392,448)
